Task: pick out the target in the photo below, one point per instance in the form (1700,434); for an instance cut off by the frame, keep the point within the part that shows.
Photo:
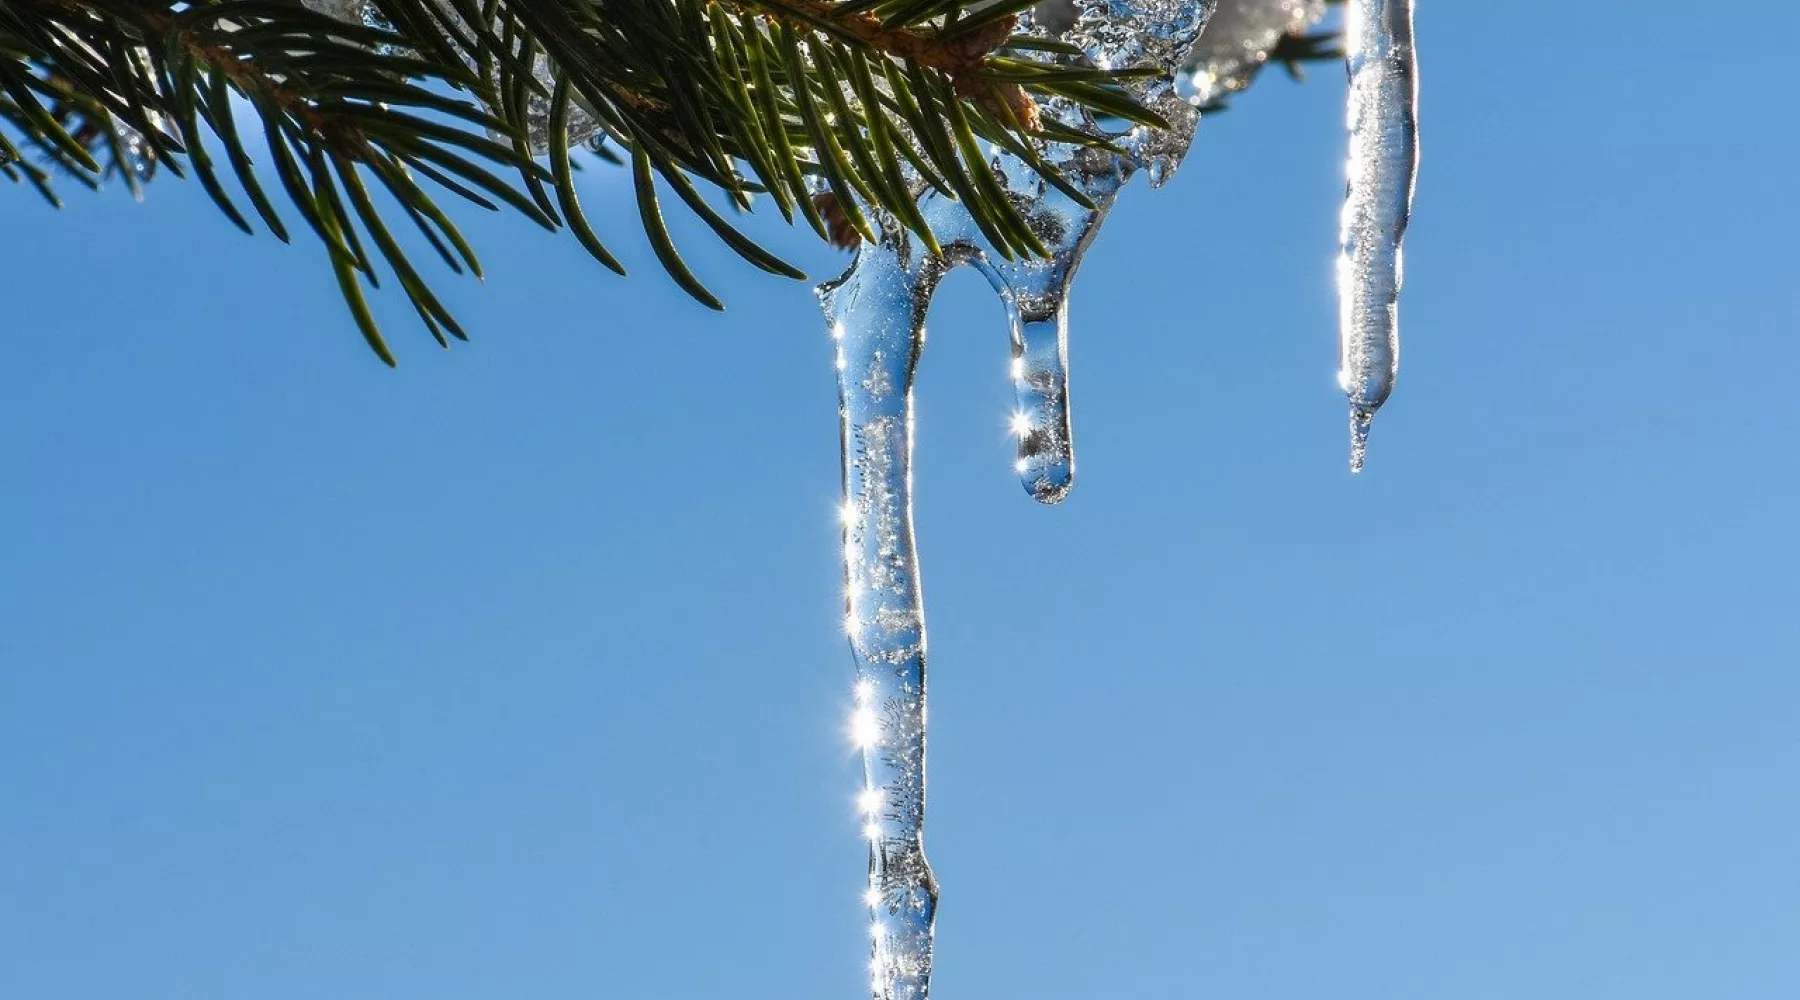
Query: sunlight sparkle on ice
(864,730)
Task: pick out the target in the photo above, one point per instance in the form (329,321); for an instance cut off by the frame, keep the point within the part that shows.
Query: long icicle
(1383,119)
(876,313)
(877,317)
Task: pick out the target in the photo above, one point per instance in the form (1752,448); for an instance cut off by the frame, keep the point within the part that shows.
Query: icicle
(1384,155)
(1036,296)
(877,315)
(1040,374)
(876,312)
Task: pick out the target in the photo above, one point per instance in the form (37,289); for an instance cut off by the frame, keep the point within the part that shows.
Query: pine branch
(365,122)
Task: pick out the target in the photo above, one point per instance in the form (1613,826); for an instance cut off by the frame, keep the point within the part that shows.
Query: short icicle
(1036,296)
(1382,114)
(1040,374)
(877,316)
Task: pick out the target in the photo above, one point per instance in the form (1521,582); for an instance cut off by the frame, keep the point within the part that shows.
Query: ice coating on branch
(1383,119)
(582,125)
(876,313)
(1237,42)
(1232,48)
(1119,34)
(353,11)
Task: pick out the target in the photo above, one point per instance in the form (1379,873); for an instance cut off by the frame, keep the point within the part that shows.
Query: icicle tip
(1360,420)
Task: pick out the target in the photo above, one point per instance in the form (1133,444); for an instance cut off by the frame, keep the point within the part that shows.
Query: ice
(353,11)
(876,313)
(1383,121)
(879,331)
(1039,325)
(1237,42)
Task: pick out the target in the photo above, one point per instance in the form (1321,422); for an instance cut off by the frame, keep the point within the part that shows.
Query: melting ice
(877,317)
(876,312)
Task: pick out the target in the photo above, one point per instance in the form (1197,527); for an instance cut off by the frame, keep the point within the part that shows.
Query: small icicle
(1040,374)
(1382,114)
(1036,293)
(877,316)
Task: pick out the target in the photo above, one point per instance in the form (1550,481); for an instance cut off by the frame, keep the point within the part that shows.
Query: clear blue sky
(517,672)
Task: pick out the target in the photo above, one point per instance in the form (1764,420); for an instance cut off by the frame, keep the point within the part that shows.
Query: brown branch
(954,56)
(957,57)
